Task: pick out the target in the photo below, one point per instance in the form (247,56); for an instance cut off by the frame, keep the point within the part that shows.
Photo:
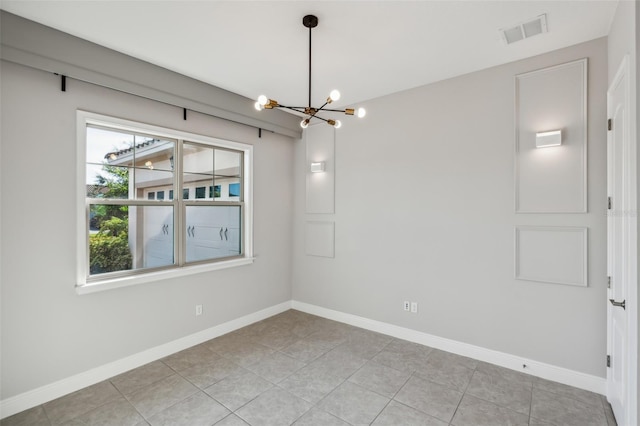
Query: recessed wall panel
(319,238)
(551,254)
(552,179)
(320,196)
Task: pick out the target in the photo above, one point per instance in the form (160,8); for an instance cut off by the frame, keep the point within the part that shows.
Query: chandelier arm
(322,107)
(296,109)
(334,110)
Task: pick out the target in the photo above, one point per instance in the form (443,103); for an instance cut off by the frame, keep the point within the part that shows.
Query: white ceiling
(366,49)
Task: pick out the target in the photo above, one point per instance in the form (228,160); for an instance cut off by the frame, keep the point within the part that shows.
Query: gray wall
(424,212)
(48,331)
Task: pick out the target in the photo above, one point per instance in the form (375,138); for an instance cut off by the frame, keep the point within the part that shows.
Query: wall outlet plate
(198,310)
(406,305)
(414,307)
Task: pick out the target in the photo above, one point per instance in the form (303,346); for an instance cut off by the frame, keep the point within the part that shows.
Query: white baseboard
(24,401)
(513,362)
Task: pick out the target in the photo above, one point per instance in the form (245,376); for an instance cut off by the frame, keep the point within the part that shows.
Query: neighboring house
(208,175)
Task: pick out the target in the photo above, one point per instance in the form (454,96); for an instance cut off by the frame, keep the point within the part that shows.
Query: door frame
(631,196)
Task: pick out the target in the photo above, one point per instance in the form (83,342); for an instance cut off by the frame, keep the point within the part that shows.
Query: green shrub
(115,227)
(109,248)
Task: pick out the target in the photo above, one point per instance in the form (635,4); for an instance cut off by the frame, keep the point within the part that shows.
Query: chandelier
(311,21)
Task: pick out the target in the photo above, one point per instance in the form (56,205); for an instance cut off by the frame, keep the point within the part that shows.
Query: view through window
(134,223)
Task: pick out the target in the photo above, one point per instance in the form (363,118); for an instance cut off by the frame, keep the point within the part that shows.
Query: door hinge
(609,124)
(608,360)
(608,282)
(609,203)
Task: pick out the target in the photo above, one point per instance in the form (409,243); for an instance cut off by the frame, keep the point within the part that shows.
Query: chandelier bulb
(334,96)
(262,100)
(338,124)
(304,123)
(361,112)
(258,106)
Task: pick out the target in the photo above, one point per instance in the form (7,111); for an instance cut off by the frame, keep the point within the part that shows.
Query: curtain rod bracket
(184,114)
(63,83)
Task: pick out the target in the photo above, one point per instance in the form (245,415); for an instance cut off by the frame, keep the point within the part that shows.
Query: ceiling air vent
(530,28)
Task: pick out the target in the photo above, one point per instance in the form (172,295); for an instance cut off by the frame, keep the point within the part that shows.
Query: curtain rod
(63,88)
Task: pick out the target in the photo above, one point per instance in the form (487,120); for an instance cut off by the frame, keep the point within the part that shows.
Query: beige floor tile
(77,403)
(476,412)
(308,370)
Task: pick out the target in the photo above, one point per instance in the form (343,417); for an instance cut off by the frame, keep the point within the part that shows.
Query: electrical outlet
(414,307)
(198,310)
(406,305)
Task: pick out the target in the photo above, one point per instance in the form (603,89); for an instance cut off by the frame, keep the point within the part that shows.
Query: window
(234,190)
(130,229)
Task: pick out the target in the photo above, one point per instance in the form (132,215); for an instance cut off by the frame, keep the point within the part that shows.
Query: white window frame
(84,286)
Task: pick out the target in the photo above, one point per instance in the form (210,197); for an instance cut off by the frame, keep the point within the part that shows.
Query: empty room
(319,213)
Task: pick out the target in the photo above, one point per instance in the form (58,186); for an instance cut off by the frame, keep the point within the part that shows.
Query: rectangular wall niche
(320,194)
(319,238)
(551,254)
(552,179)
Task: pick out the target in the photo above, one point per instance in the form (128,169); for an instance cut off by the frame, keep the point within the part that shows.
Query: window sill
(109,284)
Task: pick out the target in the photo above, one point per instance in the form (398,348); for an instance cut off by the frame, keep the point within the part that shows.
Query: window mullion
(87,209)
(179,212)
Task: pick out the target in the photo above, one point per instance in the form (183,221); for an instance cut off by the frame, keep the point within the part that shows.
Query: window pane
(185,194)
(197,159)
(160,195)
(106,178)
(234,190)
(105,181)
(129,237)
(154,164)
(198,183)
(212,232)
(151,195)
(228,174)
(197,163)
(200,192)
(124,165)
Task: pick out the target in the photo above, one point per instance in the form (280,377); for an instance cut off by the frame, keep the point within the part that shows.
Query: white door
(621,243)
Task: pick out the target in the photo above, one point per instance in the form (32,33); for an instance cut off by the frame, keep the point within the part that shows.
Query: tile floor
(300,369)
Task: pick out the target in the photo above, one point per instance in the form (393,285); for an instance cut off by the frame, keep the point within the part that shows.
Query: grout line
(463,394)
(531,402)
(395,393)
(127,399)
(45,414)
